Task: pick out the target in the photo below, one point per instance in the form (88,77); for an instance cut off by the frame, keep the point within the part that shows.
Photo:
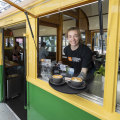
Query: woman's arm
(83,73)
(84,70)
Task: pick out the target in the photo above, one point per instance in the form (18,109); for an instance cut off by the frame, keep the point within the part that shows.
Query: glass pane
(47,51)
(11,41)
(118,87)
(6,42)
(98,42)
(83,37)
(95,74)
(64,43)
(20,40)
(51,42)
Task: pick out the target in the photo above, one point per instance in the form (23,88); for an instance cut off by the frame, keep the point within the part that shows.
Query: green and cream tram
(30,23)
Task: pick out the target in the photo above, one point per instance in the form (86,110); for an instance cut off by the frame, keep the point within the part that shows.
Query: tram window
(88,22)
(20,40)
(86,18)
(64,43)
(50,42)
(83,37)
(118,86)
(6,42)
(98,42)
(9,42)
(47,50)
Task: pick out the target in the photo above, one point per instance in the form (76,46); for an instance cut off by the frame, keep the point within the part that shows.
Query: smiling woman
(81,55)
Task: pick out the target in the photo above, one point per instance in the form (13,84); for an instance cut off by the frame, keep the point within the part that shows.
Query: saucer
(78,88)
(61,83)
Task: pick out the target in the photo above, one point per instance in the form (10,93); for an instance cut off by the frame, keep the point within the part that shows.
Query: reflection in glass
(6,42)
(118,87)
(64,44)
(98,42)
(9,41)
(50,41)
(83,37)
(47,50)
(20,40)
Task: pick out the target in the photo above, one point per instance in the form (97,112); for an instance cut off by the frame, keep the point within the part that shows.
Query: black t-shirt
(79,58)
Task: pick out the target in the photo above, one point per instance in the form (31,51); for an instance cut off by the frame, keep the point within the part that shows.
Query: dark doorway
(15,75)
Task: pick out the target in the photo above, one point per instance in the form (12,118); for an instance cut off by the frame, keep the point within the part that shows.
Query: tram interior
(15,82)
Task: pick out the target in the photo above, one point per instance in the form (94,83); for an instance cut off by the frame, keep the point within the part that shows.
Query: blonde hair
(78,31)
(73,28)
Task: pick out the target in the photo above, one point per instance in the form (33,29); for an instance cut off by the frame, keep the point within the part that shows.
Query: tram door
(14,61)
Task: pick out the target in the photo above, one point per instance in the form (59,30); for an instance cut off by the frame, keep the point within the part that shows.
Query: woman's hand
(82,75)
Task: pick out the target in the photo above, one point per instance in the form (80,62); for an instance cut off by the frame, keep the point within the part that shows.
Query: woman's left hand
(82,75)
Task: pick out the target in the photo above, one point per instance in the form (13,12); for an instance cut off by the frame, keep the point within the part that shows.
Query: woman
(16,52)
(79,55)
(43,53)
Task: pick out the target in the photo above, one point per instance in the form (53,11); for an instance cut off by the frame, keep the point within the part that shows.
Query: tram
(24,82)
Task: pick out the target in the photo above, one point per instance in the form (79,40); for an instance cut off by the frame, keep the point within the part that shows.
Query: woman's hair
(78,31)
(73,28)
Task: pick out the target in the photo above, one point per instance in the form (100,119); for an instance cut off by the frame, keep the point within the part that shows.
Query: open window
(52,31)
(47,51)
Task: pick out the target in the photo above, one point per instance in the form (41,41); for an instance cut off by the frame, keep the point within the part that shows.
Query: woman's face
(73,37)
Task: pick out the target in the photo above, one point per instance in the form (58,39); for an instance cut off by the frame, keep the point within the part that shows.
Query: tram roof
(26,4)
(6,8)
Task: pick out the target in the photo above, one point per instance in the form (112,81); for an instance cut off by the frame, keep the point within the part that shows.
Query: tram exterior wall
(44,106)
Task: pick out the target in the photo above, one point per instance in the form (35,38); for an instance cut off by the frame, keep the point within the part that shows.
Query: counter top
(10,64)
